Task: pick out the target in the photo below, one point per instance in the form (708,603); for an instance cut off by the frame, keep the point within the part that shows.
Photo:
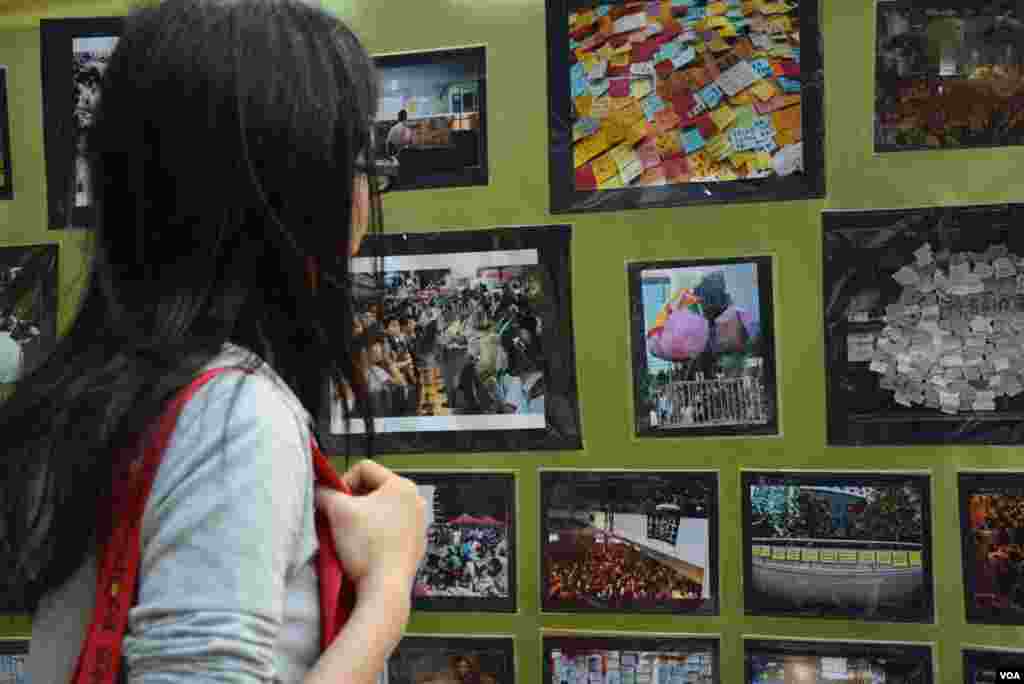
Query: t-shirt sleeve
(219,533)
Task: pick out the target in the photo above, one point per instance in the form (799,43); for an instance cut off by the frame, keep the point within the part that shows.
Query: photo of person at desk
(429,130)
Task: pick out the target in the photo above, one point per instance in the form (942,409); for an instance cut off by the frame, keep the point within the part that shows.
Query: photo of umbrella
(680,330)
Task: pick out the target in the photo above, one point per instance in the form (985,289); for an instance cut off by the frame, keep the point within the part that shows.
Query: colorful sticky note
(638,131)
(723,117)
(683,104)
(718,44)
(676,170)
(789,85)
(584,127)
(652,177)
(585,178)
(605,168)
(652,104)
(665,120)
(648,154)
(640,88)
(589,147)
(583,104)
(615,131)
(644,52)
(684,57)
(710,95)
(763,68)
(692,140)
(599,87)
(787,118)
(764,90)
(629,114)
(600,108)
(669,144)
(618,87)
(744,116)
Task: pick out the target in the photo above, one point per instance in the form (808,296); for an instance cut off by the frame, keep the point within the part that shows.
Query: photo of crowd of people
(629,660)
(450,660)
(773,662)
(703,359)
(470,560)
(628,542)
(994,570)
(28,310)
(949,75)
(838,546)
(454,342)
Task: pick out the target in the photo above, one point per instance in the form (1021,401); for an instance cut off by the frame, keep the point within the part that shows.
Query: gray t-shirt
(228,588)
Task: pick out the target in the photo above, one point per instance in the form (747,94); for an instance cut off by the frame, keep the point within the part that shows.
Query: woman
(225,152)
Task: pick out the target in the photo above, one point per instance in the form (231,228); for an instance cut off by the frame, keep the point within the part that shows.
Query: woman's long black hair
(223,156)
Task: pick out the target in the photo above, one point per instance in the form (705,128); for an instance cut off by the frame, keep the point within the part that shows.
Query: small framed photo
(28,310)
(990,665)
(682,103)
(992,521)
(471,541)
(444,659)
(629,541)
(947,75)
(75,53)
(469,338)
(703,347)
(13,654)
(630,658)
(775,660)
(6,173)
(431,124)
(923,309)
(838,545)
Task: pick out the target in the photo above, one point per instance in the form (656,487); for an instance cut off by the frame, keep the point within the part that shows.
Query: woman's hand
(381,531)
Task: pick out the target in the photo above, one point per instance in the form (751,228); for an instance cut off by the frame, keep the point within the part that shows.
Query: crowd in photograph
(465,561)
(434,350)
(616,574)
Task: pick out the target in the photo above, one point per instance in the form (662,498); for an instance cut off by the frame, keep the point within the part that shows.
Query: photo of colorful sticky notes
(679,91)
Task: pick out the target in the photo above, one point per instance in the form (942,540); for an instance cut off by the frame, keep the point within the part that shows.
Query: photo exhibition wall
(698,324)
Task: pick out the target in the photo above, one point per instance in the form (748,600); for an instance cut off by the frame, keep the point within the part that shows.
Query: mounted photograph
(431,125)
(470,563)
(656,104)
(445,659)
(629,541)
(770,661)
(992,521)
(703,347)
(469,342)
(75,54)
(924,323)
(949,74)
(630,659)
(831,545)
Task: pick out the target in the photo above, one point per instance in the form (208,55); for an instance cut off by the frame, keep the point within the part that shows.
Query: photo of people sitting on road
(452,342)
(628,542)
(470,560)
(994,573)
(842,546)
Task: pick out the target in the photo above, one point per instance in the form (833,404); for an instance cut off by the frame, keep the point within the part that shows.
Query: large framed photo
(630,659)
(75,53)
(771,661)
(28,310)
(703,347)
(13,654)
(948,74)
(6,173)
(444,659)
(664,103)
(990,665)
(838,545)
(470,342)
(629,541)
(470,563)
(924,316)
(992,523)
(431,124)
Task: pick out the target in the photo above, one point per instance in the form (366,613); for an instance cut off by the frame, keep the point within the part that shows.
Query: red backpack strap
(118,559)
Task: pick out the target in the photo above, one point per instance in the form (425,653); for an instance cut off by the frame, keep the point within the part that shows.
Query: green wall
(514,33)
